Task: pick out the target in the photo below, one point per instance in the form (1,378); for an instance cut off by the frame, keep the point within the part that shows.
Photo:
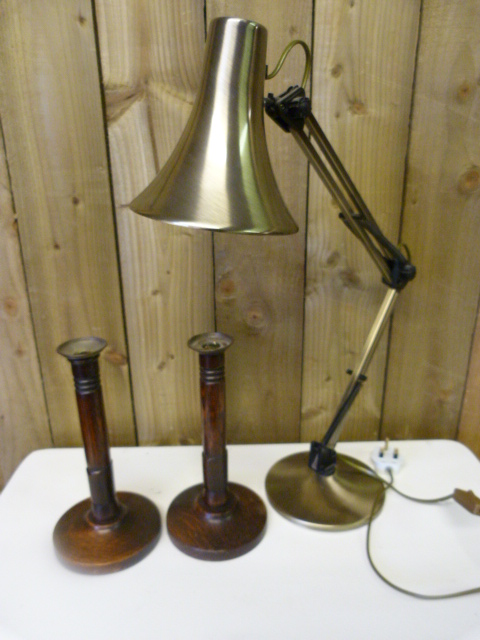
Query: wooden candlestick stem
(212,391)
(216,520)
(86,375)
(109,531)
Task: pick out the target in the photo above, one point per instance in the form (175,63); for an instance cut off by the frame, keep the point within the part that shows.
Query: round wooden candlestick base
(223,535)
(91,548)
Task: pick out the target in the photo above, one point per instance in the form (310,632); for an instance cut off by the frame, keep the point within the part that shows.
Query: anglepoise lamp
(219,177)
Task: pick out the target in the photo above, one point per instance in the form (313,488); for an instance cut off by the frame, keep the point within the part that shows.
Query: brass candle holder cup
(109,531)
(216,520)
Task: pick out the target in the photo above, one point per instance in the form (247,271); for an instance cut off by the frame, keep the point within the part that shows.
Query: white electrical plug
(386,457)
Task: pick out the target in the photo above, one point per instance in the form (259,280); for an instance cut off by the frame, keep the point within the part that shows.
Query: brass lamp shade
(219,176)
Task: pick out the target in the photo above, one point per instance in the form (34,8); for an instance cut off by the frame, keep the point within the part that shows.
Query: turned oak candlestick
(216,520)
(109,531)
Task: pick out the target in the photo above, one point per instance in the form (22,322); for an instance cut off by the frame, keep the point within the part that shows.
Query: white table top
(298,583)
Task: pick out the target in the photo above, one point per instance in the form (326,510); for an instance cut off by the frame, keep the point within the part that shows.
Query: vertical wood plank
(469,428)
(364,64)
(259,281)
(24,423)
(432,330)
(151,54)
(53,123)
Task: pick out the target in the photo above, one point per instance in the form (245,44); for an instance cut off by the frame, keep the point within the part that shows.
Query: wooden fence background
(93,97)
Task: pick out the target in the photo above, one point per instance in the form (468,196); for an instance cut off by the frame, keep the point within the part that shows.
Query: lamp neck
(292,112)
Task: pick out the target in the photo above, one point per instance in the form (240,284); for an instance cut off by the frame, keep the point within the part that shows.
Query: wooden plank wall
(93,97)
(362,90)
(24,425)
(259,281)
(55,146)
(150,75)
(426,377)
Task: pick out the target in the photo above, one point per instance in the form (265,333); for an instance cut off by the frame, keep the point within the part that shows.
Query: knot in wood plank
(469,180)
(115,357)
(358,108)
(10,305)
(337,70)
(464,91)
(257,317)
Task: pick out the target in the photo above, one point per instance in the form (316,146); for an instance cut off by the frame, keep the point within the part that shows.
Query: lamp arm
(358,376)
(323,457)
(292,112)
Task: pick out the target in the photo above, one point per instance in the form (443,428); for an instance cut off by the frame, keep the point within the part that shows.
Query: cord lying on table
(467,499)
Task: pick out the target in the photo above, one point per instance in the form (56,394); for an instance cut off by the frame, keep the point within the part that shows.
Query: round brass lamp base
(89,548)
(206,535)
(343,500)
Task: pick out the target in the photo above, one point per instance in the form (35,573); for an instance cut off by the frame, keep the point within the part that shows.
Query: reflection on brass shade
(219,176)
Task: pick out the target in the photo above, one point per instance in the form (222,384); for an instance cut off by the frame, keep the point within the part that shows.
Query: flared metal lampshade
(219,176)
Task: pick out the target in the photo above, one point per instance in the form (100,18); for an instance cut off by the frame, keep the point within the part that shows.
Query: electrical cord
(386,486)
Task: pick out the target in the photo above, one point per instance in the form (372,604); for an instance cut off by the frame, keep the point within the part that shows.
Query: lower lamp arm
(322,455)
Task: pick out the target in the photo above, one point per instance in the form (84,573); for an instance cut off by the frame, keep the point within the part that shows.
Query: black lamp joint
(290,109)
(322,459)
